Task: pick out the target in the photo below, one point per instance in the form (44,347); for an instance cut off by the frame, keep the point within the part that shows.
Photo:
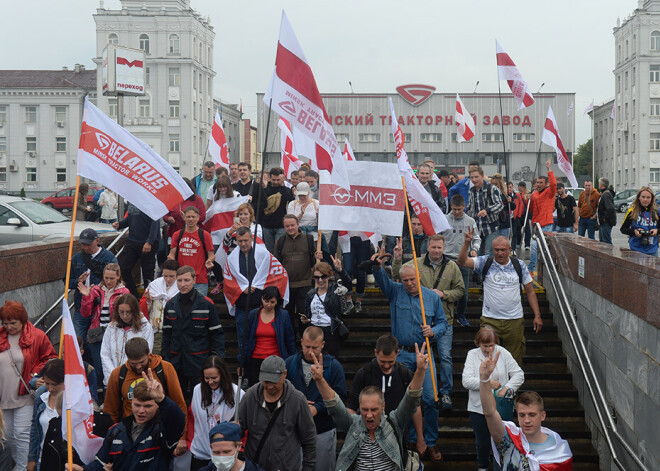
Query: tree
(582,160)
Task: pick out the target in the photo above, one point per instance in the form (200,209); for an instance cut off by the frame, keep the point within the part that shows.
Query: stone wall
(615,297)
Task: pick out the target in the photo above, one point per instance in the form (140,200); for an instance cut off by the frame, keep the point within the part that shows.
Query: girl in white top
(306,209)
(213,401)
(126,323)
(221,189)
(108,204)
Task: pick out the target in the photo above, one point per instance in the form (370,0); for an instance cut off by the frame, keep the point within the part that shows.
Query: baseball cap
(272,369)
(303,188)
(87,236)
(230,431)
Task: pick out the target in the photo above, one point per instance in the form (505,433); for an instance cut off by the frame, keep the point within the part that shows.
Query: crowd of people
(155,358)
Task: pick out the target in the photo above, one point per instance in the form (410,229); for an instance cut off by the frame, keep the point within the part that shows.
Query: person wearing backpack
(502,276)
(273,207)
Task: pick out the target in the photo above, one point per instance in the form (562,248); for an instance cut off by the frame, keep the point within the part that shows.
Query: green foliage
(582,160)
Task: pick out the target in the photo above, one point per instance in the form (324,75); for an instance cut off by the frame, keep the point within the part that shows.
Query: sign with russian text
(123,71)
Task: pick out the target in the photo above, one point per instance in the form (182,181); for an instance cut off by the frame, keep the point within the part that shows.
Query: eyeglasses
(322,277)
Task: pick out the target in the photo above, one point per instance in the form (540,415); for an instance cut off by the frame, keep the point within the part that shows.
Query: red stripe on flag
(503,59)
(218,134)
(297,74)
(220,221)
(323,159)
(550,126)
(71,364)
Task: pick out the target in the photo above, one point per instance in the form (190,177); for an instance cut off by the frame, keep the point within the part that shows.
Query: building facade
(605,159)
(430,130)
(175,115)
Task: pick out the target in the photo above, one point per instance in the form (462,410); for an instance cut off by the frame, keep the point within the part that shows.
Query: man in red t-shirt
(193,246)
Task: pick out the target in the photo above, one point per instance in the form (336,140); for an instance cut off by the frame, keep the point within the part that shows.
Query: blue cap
(230,431)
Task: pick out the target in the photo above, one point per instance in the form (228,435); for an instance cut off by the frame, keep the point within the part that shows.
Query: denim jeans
(202,288)
(95,351)
(17,431)
(462,303)
(359,253)
(482,436)
(605,233)
(487,244)
(444,352)
(587,225)
(270,236)
(429,406)
(535,248)
(81,326)
(240,326)
(568,229)
(505,232)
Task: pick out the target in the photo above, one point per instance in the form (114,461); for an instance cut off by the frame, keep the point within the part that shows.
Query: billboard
(123,71)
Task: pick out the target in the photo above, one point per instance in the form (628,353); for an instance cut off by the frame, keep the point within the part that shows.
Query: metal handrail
(573,329)
(59,300)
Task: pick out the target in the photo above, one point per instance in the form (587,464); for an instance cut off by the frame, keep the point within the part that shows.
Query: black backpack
(200,234)
(514,261)
(123,371)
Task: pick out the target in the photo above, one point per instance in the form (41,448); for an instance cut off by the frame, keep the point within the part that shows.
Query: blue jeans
(444,352)
(568,229)
(240,326)
(81,326)
(482,436)
(271,234)
(533,257)
(202,288)
(95,351)
(429,406)
(462,303)
(587,225)
(360,251)
(505,232)
(487,244)
(605,233)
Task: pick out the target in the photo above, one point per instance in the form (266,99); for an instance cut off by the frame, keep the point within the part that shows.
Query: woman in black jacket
(323,305)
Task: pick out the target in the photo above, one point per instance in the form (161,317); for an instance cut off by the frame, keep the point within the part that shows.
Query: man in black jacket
(606,211)
(273,207)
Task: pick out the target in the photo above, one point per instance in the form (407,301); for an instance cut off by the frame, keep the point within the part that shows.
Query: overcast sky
(375,44)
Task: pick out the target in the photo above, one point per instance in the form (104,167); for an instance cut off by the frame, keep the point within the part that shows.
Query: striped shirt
(104,317)
(487,197)
(373,458)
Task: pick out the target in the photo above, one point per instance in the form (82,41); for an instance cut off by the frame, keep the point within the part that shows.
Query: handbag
(95,335)
(32,393)
(410,459)
(504,404)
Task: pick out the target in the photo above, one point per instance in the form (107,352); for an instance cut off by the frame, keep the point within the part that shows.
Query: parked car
(26,220)
(621,199)
(63,199)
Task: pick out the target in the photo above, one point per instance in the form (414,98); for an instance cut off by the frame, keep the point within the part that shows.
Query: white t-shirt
(319,316)
(45,417)
(310,217)
(502,289)
(210,195)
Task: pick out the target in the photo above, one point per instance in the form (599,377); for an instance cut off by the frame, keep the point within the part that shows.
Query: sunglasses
(322,277)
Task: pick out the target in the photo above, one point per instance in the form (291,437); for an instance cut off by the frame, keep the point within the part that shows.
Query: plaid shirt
(479,199)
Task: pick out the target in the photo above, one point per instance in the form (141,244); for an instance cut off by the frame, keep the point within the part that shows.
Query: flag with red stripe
(218,149)
(464,121)
(348,151)
(429,213)
(551,138)
(76,396)
(296,97)
(290,160)
(507,70)
(113,157)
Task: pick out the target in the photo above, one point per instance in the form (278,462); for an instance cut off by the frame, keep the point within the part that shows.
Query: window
(60,144)
(341,137)
(144,42)
(369,137)
(174,109)
(201,58)
(492,137)
(3,174)
(30,114)
(174,143)
(654,143)
(431,137)
(31,144)
(654,73)
(144,108)
(147,74)
(175,76)
(523,136)
(60,114)
(31,174)
(3,144)
(406,137)
(627,48)
(112,39)
(112,107)
(655,107)
(654,175)
(60,174)
(625,81)
(625,107)
(3,115)
(634,139)
(174,44)
(655,41)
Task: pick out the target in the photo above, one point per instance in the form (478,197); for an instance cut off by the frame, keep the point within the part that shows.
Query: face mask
(223,463)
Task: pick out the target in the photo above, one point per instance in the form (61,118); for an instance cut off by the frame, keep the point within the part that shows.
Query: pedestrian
(484,206)
(445,182)
(83,207)
(606,219)
(298,368)
(424,175)
(419,238)
(108,204)
(357,252)
(155,297)
(225,440)
(244,217)
(508,203)
(542,206)
(506,379)
(245,186)
(462,187)
(526,232)
(205,180)
(233,172)
(312,179)
(289,444)
(588,205)
(567,211)
(274,207)
(641,223)
(175,218)
(518,216)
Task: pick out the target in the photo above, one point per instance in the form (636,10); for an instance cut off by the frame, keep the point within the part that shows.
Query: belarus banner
(218,149)
(290,160)
(507,70)
(551,138)
(76,396)
(296,97)
(374,203)
(113,157)
(429,213)
(270,272)
(464,121)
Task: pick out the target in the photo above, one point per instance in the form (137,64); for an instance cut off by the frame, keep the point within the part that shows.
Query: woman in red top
(269,332)
(28,348)
(174,218)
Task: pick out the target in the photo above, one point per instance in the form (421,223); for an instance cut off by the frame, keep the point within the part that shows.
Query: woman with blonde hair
(641,223)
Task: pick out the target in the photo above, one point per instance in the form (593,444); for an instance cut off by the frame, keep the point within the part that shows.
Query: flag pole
(419,285)
(69,437)
(68,262)
(506,165)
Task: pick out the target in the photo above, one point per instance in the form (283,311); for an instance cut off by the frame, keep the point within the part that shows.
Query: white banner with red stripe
(296,97)
(218,149)
(507,70)
(344,239)
(113,157)
(429,213)
(464,121)
(290,160)
(551,138)
(76,396)
(374,202)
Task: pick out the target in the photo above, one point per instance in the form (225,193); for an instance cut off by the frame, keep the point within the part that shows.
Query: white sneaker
(371,279)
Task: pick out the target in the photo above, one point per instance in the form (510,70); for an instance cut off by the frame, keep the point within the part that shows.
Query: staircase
(544,366)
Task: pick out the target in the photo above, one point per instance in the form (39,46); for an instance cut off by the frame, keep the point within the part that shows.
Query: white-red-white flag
(556,457)
(589,108)
(464,121)
(113,157)
(348,151)
(290,160)
(344,239)
(295,96)
(507,70)
(219,218)
(551,138)
(429,213)
(218,149)
(76,396)
(270,272)
(570,109)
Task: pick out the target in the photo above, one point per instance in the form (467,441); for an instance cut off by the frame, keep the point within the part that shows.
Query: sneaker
(446,401)
(370,279)
(527,247)
(358,307)
(463,321)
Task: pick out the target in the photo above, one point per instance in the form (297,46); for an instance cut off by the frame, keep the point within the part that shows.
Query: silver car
(26,220)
